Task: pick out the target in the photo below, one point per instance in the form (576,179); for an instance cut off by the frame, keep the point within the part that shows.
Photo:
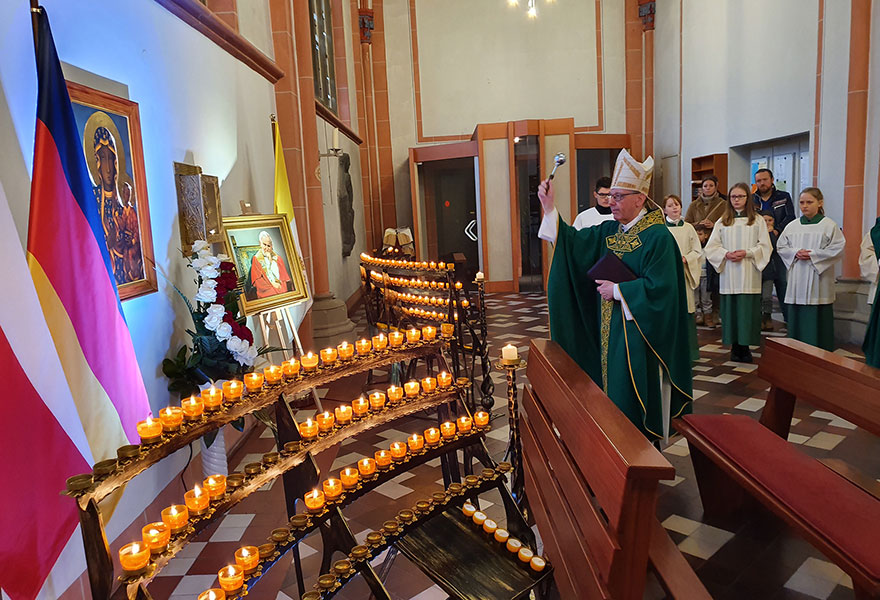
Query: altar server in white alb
(601,211)
(809,247)
(692,258)
(739,249)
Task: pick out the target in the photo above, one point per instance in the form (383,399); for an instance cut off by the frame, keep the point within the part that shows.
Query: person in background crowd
(774,272)
(769,198)
(739,248)
(705,211)
(702,294)
(810,247)
(692,260)
(599,213)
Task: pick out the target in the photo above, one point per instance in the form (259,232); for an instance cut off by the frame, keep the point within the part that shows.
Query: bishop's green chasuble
(625,357)
(871,346)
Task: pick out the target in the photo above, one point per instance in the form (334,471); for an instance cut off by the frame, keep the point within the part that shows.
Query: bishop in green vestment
(631,337)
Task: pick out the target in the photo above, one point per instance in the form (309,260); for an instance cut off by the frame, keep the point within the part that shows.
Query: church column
(856,126)
(330,322)
(634,81)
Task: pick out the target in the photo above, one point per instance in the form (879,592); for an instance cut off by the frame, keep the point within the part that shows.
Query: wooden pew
(591,482)
(733,454)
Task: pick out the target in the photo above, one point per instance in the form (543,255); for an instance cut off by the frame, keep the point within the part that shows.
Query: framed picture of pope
(270,270)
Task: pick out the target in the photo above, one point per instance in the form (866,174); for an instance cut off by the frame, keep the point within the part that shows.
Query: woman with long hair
(739,249)
(810,247)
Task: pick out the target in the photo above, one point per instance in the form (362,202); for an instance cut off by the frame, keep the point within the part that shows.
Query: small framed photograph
(271,271)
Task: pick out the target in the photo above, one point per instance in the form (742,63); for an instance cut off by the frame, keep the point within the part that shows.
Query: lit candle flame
(153,532)
(173,511)
(245,553)
(309,422)
(230,571)
(210,481)
(197,491)
(135,548)
(315,493)
(326,414)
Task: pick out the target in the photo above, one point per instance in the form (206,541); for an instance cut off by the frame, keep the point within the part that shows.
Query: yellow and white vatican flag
(284,205)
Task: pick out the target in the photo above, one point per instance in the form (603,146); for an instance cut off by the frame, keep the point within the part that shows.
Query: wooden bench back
(830,382)
(591,479)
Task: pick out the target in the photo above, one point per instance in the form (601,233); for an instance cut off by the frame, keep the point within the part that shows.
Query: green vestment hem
(812,324)
(741,319)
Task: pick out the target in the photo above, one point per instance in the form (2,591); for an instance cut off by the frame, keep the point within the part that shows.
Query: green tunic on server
(871,346)
(810,293)
(643,362)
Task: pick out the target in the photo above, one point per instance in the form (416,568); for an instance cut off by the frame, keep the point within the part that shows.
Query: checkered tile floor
(760,559)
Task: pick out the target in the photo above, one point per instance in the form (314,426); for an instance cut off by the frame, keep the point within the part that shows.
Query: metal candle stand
(514,443)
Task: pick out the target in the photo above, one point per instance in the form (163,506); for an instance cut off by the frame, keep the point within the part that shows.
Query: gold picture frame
(110,126)
(271,279)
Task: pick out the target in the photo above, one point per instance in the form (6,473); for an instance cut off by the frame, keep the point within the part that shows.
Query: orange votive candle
(232,389)
(447,329)
(447,429)
(363,346)
(366,467)
(332,488)
(273,374)
(247,557)
(345,350)
(171,418)
(156,536)
(432,436)
(134,557)
(193,407)
(309,361)
(215,485)
(328,356)
(411,388)
(150,430)
(481,418)
(212,398)
(308,430)
(196,500)
(213,594)
(377,401)
(343,414)
(175,517)
(395,393)
(231,578)
(429,332)
(326,421)
(383,458)
(413,335)
(349,477)
(314,500)
(380,342)
(444,379)
(253,382)
(398,450)
(360,407)
(429,384)
(464,424)
(290,368)
(395,339)
(415,442)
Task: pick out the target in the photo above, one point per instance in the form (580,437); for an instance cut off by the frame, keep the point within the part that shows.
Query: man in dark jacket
(776,201)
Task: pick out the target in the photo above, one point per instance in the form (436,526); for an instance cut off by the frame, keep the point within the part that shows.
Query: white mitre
(630,174)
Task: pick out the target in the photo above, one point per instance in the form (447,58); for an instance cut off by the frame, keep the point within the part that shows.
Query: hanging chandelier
(531,7)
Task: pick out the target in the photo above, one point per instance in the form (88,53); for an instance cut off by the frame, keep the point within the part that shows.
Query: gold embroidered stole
(622,243)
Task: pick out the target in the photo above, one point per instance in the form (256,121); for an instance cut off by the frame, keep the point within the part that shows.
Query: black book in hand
(611,268)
